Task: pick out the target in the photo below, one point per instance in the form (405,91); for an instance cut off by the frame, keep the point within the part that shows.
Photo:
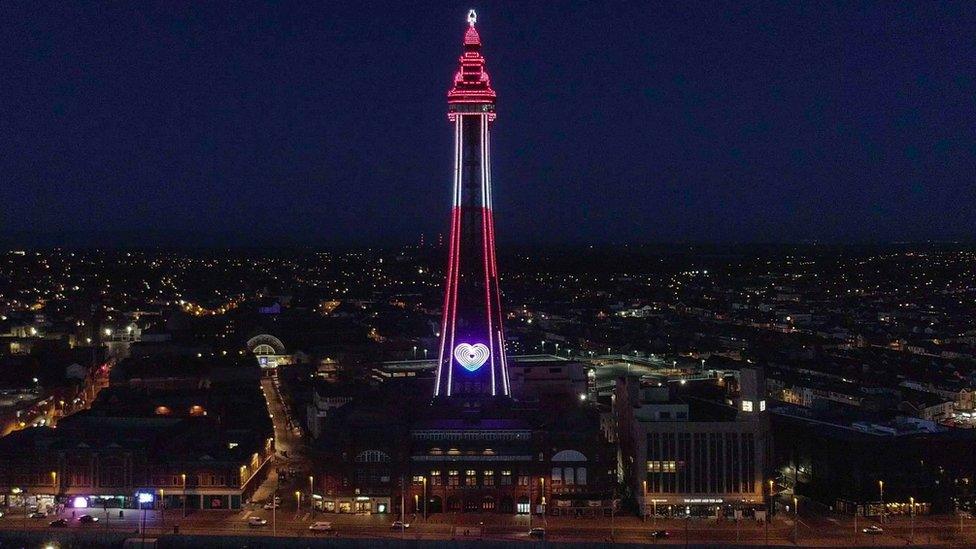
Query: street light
(644,501)
(311,491)
(911,512)
(298,502)
(425,498)
(796,521)
(881,489)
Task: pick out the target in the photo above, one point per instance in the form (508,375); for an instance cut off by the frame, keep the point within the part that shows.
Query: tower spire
(472,85)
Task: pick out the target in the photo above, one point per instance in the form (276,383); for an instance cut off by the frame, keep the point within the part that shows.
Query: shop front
(360,505)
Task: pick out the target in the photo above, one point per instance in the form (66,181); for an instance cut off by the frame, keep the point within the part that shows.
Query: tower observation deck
(471,358)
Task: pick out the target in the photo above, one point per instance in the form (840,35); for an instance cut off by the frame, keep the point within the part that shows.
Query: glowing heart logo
(471,357)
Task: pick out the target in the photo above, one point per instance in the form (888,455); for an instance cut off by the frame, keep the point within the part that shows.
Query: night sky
(324,122)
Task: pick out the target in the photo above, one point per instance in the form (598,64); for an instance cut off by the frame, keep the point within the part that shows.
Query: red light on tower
(471,358)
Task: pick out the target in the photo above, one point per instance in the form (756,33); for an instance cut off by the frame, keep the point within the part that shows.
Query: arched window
(569,455)
(264,349)
(372,456)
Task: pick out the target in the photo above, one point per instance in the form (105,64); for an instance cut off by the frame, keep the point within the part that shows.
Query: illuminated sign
(145,497)
(471,357)
(79,502)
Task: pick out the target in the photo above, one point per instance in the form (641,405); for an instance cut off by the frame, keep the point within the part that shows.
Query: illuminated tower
(472,349)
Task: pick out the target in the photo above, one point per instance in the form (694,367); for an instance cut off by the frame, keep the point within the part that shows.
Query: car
(87,519)
(399,524)
(321,526)
(38,514)
(1,514)
(257,521)
(272,505)
(660,534)
(537,532)
(58,523)
(873,529)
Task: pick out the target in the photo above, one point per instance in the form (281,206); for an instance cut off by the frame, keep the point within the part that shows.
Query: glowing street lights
(183,478)
(311,491)
(796,521)
(911,512)
(298,502)
(881,490)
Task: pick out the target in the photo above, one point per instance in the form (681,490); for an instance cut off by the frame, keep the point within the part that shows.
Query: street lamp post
(183,479)
(644,502)
(425,498)
(881,489)
(911,513)
(796,521)
(769,510)
(311,496)
(298,502)
(162,506)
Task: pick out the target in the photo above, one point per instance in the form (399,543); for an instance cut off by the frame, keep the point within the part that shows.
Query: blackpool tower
(471,359)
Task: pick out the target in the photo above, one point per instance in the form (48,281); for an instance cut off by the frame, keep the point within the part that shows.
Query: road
(295,522)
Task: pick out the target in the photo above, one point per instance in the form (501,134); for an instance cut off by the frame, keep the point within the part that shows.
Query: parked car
(320,526)
(271,505)
(257,521)
(58,523)
(398,524)
(87,519)
(873,529)
(537,532)
(38,514)
(660,534)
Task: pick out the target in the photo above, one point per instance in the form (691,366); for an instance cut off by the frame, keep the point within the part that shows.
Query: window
(470,478)
(488,478)
(453,479)
(523,480)
(506,478)
(762,405)
(557,475)
(418,479)
(435,478)
(664,415)
(373,456)
(746,405)
(581,476)
(662,466)
(569,476)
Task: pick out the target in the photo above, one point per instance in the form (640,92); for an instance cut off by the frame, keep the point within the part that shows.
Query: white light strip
(456,233)
(486,245)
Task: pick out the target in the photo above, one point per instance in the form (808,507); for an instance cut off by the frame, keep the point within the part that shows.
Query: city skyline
(679,334)
(646,123)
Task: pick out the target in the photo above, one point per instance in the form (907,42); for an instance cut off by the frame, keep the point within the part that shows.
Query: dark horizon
(295,125)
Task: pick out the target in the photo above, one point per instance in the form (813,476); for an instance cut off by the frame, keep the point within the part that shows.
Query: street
(295,522)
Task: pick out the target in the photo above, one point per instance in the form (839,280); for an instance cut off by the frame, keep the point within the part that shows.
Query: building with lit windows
(688,453)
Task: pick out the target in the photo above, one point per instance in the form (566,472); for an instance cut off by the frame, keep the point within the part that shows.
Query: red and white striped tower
(471,358)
